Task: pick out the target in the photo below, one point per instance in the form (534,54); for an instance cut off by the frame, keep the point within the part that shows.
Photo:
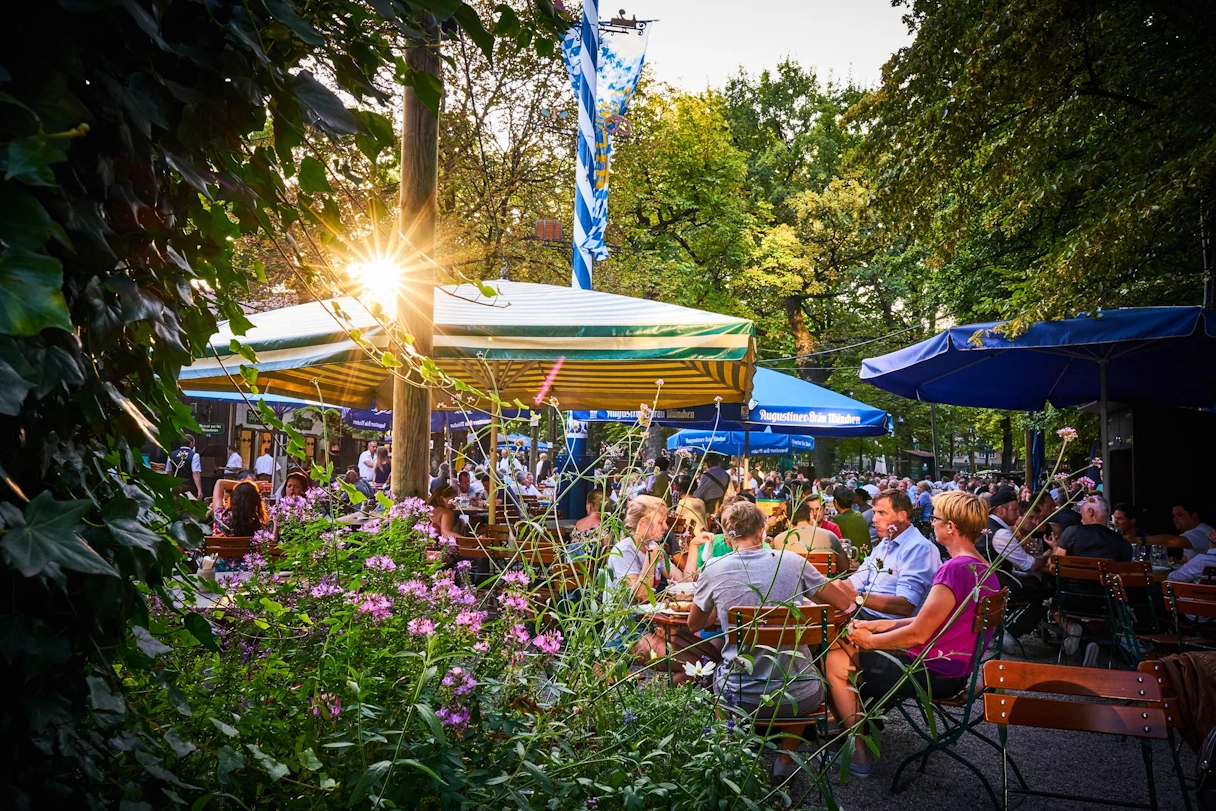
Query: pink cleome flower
(550,643)
(421,626)
(381,563)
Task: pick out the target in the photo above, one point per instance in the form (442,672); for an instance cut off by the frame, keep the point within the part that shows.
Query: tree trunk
(804,343)
(416,291)
(1028,457)
(1006,445)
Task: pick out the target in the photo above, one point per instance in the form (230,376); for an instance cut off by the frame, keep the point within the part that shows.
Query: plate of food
(681,590)
(678,606)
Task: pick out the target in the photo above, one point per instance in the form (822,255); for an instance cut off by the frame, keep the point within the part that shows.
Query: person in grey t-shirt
(754,576)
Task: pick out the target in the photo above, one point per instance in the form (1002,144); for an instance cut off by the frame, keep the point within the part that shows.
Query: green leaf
(49,536)
(313,177)
(356,497)
(246,352)
(108,706)
(13,388)
(24,223)
(227,729)
(179,745)
(177,700)
(470,23)
(122,519)
(230,761)
(368,781)
(508,21)
(385,502)
(328,111)
(32,299)
(422,768)
(431,720)
(250,374)
(379,134)
(200,629)
(146,642)
(29,161)
(389,361)
(428,88)
(284,13)
(544,47)
(274,768)
(308,759)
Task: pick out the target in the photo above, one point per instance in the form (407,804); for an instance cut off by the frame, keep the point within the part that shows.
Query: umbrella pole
(1103,408)
(492,495)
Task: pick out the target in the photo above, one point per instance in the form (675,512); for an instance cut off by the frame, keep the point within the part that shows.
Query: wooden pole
(416,292)
(491,497)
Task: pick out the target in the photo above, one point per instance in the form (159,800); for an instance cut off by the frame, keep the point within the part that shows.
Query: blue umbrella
(1133,354)
(781,403)
(734,443)
(521,440)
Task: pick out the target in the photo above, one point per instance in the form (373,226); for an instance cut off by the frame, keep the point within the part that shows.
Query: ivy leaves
(44,538)
(32,300)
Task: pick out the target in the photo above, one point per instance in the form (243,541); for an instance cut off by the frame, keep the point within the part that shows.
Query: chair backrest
(1142,720)
(1190,599)
(990,612)
(779,627)
(1071,568)
(469,547)
(1171,541)
(1209,575)
(1169,698)
(1131,567)
(824,562)
(229,548)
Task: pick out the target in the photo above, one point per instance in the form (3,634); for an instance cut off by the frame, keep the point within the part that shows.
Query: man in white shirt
(527,486)
(1186,519)
(264,466)
(235,462)
(540,463)
(1019,571)
(367,462)
(1192,570)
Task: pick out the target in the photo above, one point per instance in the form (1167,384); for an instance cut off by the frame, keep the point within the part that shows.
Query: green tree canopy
(1062,152)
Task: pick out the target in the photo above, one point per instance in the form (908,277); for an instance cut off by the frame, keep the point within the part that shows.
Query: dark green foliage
(129,168)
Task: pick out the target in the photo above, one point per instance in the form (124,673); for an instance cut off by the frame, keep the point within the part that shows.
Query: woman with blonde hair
(940,635)
(634,564)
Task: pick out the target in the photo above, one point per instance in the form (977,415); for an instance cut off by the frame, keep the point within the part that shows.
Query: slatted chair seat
(1113,702)
(228,547)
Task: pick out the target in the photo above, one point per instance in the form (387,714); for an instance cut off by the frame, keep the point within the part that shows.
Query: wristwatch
(860,599)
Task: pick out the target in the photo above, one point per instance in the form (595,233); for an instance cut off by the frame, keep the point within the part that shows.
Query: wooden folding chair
(1173,721)
(228,548)
(824,562)
(1191,605)
(1071,600)
(1135,627)
(1131,708)
(766,630)
(988,622)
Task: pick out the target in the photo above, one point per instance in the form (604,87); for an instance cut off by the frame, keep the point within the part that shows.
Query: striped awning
(611,349)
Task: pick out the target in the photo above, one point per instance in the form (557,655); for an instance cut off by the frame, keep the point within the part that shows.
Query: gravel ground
(1074,763)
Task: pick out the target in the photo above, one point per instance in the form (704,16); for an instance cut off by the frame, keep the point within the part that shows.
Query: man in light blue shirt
(895,578)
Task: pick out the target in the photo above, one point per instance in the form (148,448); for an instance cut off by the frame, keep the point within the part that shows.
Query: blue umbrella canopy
(731,443)
(1146,354)
(781,403)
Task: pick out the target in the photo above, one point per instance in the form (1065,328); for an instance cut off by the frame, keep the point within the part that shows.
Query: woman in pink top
(939,631)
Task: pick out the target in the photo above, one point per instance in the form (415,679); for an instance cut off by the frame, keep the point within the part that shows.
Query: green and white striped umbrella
(611,350)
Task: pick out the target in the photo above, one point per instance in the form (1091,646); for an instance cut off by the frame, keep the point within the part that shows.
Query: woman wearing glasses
(936,645)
